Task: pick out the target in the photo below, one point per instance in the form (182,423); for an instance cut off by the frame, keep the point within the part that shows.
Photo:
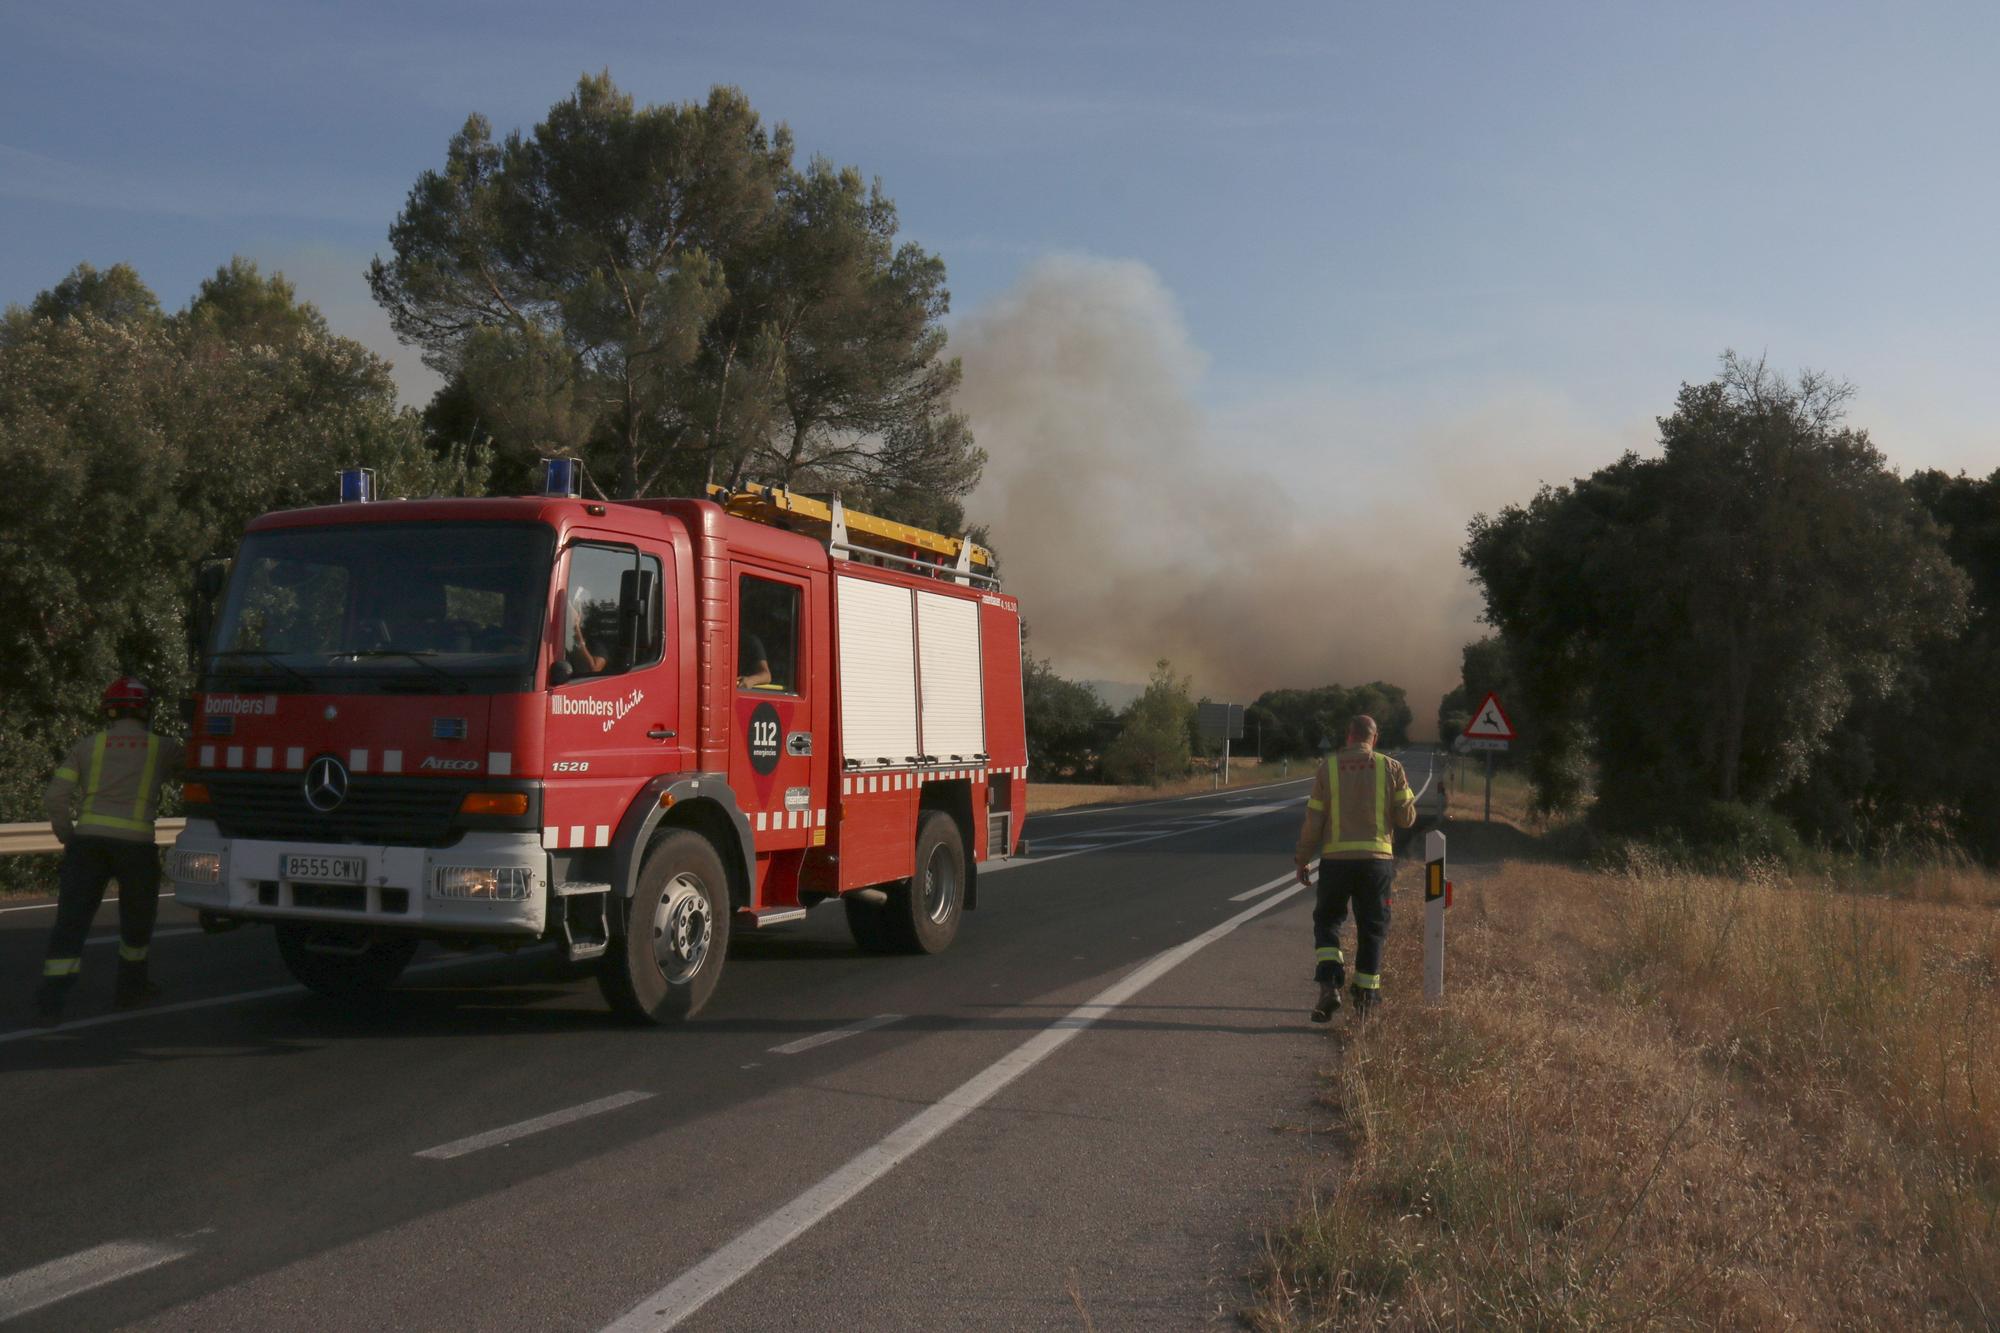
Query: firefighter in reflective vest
(1359,799)
(117,773)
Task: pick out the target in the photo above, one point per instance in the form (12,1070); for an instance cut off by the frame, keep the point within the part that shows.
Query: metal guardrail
(19,839)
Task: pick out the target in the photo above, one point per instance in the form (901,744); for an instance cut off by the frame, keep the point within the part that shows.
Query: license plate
(326,869)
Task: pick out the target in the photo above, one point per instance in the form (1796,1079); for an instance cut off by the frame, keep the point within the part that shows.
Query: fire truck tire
(667,953)
(868,922)
(924,912)
(360,970)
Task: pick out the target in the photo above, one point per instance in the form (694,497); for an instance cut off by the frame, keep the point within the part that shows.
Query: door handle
(660,734)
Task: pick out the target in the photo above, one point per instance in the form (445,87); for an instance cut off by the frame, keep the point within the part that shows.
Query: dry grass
(1663,1100)
(1242,773)
(1466,781)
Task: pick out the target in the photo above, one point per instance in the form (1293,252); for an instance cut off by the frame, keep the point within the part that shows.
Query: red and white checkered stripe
(499,763)
(558,837)
(869,784)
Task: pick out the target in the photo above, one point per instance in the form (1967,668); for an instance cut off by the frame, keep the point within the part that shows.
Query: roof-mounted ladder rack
(850,534)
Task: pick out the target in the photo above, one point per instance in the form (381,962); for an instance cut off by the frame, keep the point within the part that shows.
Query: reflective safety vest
(120,771)
(1352,815)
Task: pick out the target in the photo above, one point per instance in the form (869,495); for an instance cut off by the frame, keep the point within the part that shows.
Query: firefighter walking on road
(1359,798)
(117,774)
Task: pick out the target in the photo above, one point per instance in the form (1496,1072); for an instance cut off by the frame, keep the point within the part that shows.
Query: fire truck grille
(391,811)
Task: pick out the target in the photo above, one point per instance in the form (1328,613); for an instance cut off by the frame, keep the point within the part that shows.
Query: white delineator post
(1437,897)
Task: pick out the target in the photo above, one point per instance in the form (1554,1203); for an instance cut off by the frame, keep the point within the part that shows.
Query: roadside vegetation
(1155,744)
(1760,634)
(1661,1098)
(1242,773)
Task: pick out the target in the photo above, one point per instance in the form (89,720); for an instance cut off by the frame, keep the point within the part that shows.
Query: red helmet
(128,694)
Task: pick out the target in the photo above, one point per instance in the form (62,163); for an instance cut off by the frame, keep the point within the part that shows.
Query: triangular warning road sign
(1490,722)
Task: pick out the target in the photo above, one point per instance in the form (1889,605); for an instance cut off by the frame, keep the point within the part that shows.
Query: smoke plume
(1302,542)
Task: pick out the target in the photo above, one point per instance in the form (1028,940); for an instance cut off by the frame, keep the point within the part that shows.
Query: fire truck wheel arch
(703,801)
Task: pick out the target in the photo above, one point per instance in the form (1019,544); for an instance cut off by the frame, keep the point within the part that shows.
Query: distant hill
(1117,695)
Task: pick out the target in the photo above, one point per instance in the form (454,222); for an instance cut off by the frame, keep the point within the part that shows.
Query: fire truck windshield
(385,607)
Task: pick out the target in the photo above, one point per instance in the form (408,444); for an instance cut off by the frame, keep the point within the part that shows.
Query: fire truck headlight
(502,884)
(197,867)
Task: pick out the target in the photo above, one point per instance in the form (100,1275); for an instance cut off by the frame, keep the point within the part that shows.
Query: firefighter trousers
(89,864)
(1365,885)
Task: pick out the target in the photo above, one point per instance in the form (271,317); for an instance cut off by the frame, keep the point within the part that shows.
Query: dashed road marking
(444,1152)
(59,1279)
(836,1034)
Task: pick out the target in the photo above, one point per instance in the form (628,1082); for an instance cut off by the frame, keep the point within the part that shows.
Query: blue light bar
(357,485)
(562,477)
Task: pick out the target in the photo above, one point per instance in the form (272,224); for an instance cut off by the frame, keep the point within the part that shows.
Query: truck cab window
(590,629)
(767,636)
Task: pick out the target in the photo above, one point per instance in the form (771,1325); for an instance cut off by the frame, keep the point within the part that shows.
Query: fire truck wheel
(664,965)
(868,922)
(343,964)
(923,913)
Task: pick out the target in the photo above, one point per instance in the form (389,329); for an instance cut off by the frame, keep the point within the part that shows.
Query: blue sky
(1522,225)
(1404,197)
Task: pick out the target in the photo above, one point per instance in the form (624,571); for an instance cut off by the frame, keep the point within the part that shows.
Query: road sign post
(1489,730)
(1219,722)
(1437,897)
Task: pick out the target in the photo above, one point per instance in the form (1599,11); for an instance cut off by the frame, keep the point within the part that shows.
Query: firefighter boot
(50,997)
(134,988)
(1329,1000)
(1366,1001)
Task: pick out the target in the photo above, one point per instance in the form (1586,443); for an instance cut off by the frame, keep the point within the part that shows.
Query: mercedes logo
(326,784)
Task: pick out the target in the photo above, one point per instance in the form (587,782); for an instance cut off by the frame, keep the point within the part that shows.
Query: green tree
(136,445)
(1703,622)
(1923,763)
(1483,670)
(115,295)
(1304,723)
(1152,744)
(1067,723)
(660,290)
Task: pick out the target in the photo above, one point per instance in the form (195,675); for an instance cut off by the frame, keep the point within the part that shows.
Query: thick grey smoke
(1295,544)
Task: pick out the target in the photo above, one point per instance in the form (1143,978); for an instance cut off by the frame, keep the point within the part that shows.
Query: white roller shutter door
(878,672)
(954,704)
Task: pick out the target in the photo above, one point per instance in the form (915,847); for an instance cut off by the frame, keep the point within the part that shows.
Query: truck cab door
(614,717)
(778,747)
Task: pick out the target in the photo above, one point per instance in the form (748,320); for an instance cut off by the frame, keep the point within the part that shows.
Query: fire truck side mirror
(210,577)
(635,617)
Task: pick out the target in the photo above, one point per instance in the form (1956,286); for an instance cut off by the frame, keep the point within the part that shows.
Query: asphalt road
(1067,1118)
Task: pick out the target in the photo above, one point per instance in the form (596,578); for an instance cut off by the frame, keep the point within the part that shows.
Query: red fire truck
(626,727)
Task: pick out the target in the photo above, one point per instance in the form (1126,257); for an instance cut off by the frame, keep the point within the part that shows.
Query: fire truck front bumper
(486,884)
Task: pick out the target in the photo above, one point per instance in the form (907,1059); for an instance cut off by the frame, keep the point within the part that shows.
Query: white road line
(1262,889)
(995,867)
(59,1279)
(1429,773)
(158,935)
(444,1152)
(235,997)
(1067,847)
(50,907)
(822,1038)
(714,1275)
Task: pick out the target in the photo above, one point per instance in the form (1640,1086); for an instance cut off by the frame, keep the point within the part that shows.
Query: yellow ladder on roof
(848,532)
